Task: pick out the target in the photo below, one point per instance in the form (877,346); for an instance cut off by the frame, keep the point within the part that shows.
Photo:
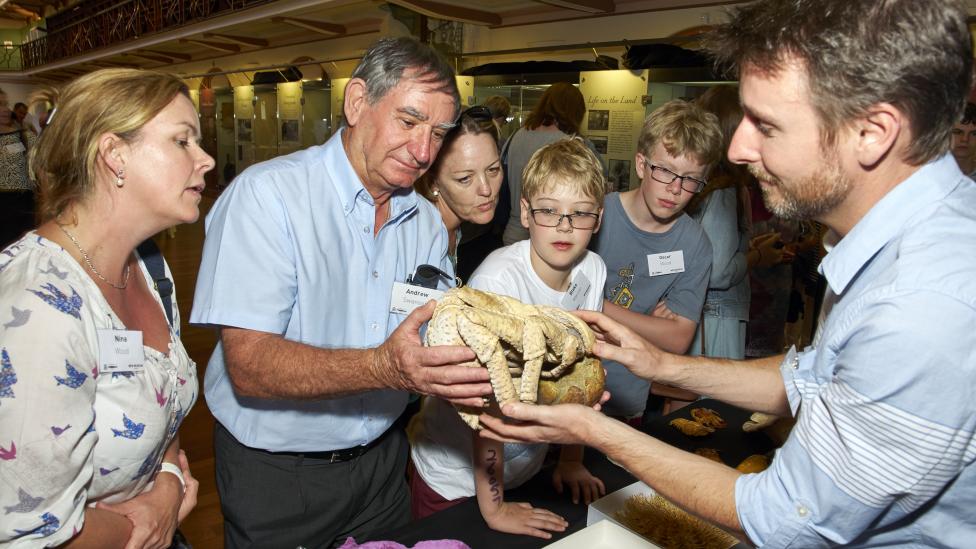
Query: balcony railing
(10,57)
(122,21)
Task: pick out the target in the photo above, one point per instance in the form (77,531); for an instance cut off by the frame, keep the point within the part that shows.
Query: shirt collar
(886,220)
(350,187)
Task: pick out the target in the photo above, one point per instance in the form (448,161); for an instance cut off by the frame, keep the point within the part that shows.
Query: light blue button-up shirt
(883,449)
(290,250)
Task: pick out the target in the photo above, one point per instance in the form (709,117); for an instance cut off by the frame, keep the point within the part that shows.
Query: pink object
(432,544)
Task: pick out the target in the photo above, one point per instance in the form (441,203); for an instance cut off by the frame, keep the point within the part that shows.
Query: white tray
(602,510)
(603,535)
(607,506)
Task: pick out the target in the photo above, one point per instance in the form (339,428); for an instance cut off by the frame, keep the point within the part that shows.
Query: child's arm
(511,517)
(571,471)
(672,333)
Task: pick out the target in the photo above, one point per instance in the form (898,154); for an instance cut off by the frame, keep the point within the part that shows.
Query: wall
(640,26)
(346,50)
(17,91)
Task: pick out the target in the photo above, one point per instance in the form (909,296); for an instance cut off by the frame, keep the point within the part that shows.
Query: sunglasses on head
(477,112)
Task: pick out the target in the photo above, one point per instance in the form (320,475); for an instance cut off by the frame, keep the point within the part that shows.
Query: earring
(435,193)
(119,179)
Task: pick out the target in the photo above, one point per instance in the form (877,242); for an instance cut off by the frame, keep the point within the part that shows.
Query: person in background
(94,382)
(300,272)
(561,204)
(500,109)
(16,187)
(722,209)
(658,258)
(849,107)
(559,114)
(964,141)
(230,170)
(464,181)
(26,120)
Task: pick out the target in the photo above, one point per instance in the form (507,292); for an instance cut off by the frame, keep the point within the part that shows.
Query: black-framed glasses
(666,176)
(547,217)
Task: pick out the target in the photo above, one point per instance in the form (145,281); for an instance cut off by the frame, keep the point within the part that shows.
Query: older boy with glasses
(658,258)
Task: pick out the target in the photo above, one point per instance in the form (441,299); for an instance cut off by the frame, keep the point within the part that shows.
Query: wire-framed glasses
(666,176)
(547,217)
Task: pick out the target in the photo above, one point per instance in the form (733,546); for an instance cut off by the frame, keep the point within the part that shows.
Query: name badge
(666,263)
(15,148)
(406,298)
(120,351)
(579,288)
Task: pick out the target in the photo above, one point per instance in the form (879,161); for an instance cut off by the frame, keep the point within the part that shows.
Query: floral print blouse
(71,436)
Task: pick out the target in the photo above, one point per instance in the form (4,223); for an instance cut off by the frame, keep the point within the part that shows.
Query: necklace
(88,261)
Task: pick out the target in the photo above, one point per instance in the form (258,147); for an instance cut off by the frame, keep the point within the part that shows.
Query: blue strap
(153,258)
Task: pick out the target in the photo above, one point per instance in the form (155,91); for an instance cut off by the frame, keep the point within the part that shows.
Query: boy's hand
(579,479)
(522,518)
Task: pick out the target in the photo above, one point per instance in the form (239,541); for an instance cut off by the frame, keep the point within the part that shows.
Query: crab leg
(489,350)
(533,353)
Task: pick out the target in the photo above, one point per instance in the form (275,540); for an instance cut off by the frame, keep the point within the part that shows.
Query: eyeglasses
(666,176)
(547,217)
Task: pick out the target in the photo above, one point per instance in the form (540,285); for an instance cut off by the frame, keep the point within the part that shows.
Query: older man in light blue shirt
(848,111)
(313,367)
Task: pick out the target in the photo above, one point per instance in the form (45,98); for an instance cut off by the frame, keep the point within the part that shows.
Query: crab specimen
(708,418)
(757,421)
(533,353)
(691,428)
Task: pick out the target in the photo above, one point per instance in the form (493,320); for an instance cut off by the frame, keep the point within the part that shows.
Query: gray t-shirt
(626,249)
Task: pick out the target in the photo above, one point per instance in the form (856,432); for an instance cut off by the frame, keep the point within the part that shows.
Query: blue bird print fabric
(69,435)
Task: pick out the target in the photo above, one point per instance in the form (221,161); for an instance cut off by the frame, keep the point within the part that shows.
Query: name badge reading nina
(120,351)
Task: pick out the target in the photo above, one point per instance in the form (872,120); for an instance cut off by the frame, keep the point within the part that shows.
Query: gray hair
(914,54)
(388,59)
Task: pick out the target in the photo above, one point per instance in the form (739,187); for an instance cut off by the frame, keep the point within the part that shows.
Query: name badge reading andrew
(406,298)
(579,288)
(120,351)
(666,263)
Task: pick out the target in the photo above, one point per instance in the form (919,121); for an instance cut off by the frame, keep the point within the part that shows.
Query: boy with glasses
(562,193)
(658,258)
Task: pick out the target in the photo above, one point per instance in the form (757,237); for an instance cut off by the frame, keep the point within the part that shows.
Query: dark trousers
(16,215)
(272,500)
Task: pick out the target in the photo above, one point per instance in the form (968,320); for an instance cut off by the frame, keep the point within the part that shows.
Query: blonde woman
(466,178)
(94,381)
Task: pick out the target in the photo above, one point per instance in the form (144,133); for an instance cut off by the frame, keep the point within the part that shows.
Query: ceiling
(272,32)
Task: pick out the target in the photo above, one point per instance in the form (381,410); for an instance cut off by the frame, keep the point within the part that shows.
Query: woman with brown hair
(723,211)
(94,381)
(558,114)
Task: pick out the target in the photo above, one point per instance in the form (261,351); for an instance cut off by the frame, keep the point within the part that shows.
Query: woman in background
(16,188)
(558,114)
(94,381)
(723,211)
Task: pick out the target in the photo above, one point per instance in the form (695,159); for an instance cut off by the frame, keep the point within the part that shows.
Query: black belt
(336,456)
